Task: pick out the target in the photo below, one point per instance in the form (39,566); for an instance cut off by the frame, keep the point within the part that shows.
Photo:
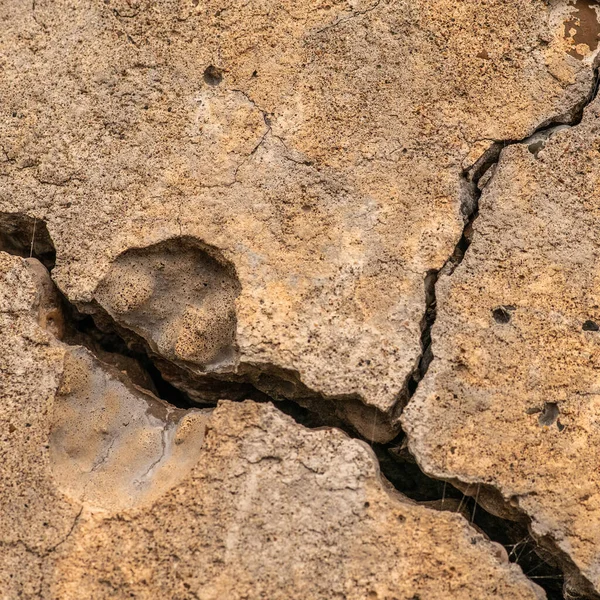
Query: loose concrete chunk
(274,510)
(512,399)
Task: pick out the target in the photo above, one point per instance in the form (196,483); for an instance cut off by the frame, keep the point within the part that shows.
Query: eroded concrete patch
(115,446)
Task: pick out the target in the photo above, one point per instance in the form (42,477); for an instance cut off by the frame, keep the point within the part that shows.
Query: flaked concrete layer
(316,149)
(511,399)
(262,508)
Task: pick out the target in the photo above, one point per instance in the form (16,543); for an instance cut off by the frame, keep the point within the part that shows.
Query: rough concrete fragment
(35,517)
(180,297)
(317,146)
(512,398)
(32,511)
(274,510)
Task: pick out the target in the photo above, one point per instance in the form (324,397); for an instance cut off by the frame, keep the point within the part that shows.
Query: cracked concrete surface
(509,401)
(382,211)
(256,507)
(324,166)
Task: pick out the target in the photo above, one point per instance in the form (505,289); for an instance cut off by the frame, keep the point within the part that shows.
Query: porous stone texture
(273,199)
(241,503)
(35,518)
(316,149)
(512,398)
(273,510)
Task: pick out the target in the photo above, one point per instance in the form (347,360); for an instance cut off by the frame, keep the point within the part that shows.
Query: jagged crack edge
(471,178)
(471,194)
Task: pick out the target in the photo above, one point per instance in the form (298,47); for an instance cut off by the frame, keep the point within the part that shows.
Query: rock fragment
(275,510)
(511,404)
(113,445)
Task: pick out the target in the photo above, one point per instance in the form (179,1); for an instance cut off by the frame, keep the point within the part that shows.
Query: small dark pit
(213,75)
(549,415)
(502,314)
(590,326)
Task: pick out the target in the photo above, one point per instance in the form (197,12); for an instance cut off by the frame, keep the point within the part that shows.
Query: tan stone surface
(257,193)
(268,509)
(273,510)
(113,445)
(512,399)
(35,517)
(320,156)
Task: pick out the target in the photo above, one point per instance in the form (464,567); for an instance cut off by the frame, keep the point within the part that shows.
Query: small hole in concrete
(536,146)
(213,75)
(501,314)
(590,326)
(549,414)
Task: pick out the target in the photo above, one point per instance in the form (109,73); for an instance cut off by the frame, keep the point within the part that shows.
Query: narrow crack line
(35,18)
(342,20)
(163,434)
(67,536)
(254,150)
(114,14)
(472,190)
(247,97)
(7,158)
(102,459)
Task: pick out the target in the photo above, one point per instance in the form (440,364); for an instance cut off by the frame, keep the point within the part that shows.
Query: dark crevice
(109,347)
(539,559)
(103,339)
(396,464)
(400,468)
(26,236)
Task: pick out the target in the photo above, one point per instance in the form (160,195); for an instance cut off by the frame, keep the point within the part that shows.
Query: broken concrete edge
(278,383)
(491,497)
(492,500)
(371,421)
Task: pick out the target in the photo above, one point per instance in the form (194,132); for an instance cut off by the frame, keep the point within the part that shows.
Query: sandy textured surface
(316,149)
(379,216)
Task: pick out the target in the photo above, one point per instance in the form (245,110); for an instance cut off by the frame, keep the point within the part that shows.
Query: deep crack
(396,465)
(549,575)
(474,180)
